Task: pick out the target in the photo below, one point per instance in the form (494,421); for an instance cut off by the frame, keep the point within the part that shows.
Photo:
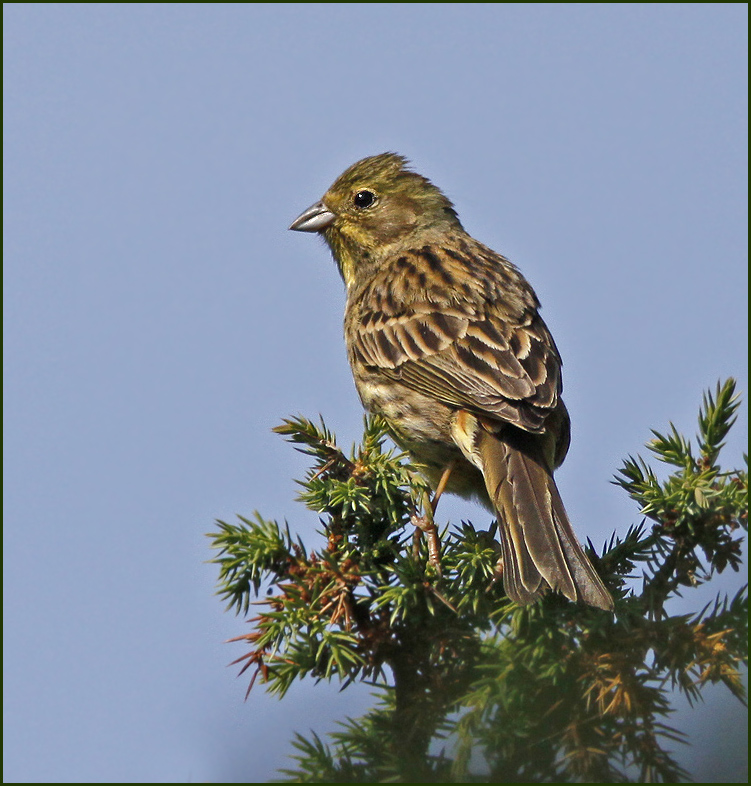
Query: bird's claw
(425,524)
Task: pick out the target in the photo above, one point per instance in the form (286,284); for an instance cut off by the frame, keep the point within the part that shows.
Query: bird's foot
(497,573)
(425,524)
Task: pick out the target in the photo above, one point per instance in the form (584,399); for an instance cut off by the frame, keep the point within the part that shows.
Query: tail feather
(588,582)
(538,544)
(512,489)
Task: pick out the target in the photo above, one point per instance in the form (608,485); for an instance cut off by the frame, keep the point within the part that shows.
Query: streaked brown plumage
(446,342)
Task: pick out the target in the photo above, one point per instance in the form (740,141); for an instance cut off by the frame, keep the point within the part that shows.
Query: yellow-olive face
(373,214)
(375,205)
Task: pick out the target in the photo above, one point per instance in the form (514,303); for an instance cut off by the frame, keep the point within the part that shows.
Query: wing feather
(460,323)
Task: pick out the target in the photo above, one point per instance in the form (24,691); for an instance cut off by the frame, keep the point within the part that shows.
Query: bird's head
(373,208)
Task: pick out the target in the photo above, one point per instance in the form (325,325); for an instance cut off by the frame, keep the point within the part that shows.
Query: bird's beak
(314,219)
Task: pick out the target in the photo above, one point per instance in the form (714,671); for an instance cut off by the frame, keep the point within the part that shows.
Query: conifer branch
(471,686)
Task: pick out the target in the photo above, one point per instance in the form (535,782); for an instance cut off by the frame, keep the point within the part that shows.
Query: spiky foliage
(473,687)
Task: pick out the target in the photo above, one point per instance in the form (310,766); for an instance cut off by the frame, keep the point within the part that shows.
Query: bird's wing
(462,326)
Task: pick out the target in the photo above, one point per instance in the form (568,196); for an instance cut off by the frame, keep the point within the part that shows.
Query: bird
(447,345)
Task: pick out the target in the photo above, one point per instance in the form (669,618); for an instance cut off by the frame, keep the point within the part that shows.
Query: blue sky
(160,319)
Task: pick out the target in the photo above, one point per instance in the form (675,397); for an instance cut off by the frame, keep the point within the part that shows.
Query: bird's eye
(364,199)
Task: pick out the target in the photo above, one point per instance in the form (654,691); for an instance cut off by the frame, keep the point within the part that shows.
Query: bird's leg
(497,574)
(427,525)
(498,571)
(442,483)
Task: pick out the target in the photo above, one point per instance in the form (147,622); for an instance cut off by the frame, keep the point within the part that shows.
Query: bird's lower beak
(314,219)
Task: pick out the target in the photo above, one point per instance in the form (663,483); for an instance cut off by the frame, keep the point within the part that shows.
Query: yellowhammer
(447,344)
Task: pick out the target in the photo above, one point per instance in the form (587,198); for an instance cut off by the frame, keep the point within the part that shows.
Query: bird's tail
(538,545)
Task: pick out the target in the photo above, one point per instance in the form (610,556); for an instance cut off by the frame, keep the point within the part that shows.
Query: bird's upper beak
(314,219)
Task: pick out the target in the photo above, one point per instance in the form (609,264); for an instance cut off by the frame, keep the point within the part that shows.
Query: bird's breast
(421,426)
